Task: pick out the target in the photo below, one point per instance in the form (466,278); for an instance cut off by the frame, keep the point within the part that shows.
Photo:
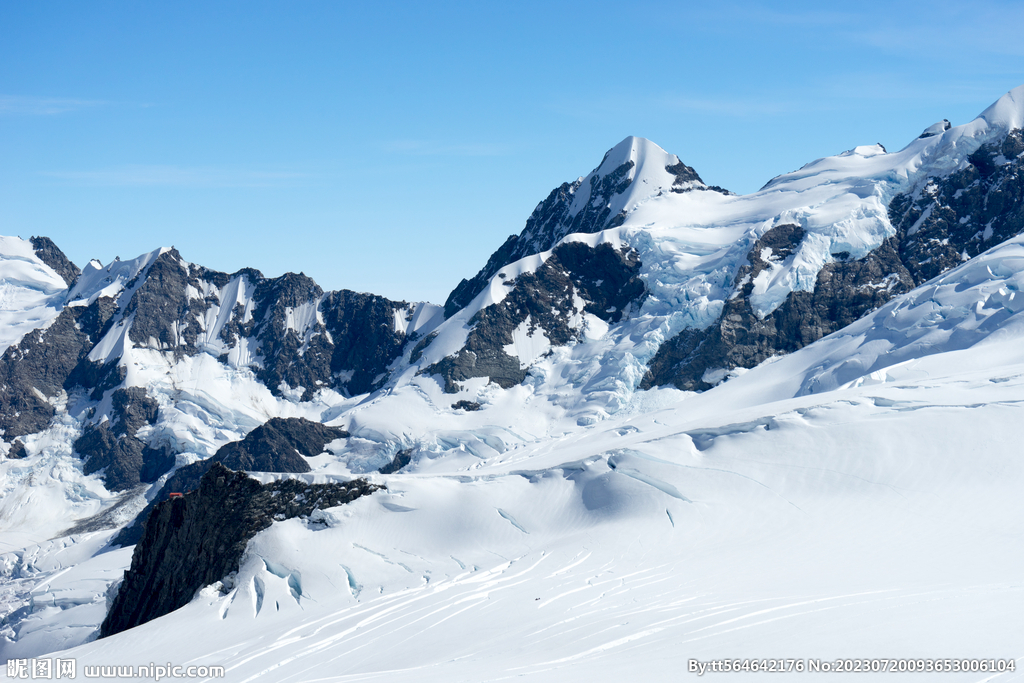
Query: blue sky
(391,148)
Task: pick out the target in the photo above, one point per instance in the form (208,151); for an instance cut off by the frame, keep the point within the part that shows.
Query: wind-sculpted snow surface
(873,522)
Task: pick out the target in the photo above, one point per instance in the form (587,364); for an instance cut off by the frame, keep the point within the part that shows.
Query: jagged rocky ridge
(277,446)
(292,335)
(199,538)
(576,278)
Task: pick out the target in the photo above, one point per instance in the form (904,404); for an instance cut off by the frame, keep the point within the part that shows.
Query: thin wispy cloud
(177,176)
(44,106)
(434,148)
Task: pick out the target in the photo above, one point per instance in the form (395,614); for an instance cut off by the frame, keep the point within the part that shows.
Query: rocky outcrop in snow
(280,445)
(953,218)
(51,255)
(113,447)
(197,539)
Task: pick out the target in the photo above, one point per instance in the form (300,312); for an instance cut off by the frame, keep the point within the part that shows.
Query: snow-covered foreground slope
(881,521)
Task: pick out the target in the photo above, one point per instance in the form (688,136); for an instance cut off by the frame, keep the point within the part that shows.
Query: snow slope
(877,521)
(31,292)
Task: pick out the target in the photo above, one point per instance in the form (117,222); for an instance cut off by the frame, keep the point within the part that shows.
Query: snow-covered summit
(630,174)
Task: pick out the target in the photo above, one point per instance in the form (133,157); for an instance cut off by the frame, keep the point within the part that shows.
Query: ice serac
(951,194)
(631,172)
(195,540)
(845,290)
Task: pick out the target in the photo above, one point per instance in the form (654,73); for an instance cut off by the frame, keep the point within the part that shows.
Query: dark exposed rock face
(49,254)
(38,367)
(195,540)
(276,446)
(17,450)
(844,292)
(959,216)
(401,459)
(549,223)
(365,341)
(113,446)
(347,347)
(605,279)
(166,318)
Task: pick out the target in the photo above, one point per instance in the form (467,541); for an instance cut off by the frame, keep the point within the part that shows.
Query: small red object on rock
(176,495)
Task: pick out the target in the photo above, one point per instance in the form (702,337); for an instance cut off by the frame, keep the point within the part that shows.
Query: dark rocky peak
(588,205)
(49,254)
(291,290)
(165,315)
(366,340)
(604,278)
(199,538)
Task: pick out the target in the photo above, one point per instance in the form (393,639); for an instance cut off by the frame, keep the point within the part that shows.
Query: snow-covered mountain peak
(23,267)
(846,343)
(1007,112)
(631,173)
(110,280)
(640,152)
